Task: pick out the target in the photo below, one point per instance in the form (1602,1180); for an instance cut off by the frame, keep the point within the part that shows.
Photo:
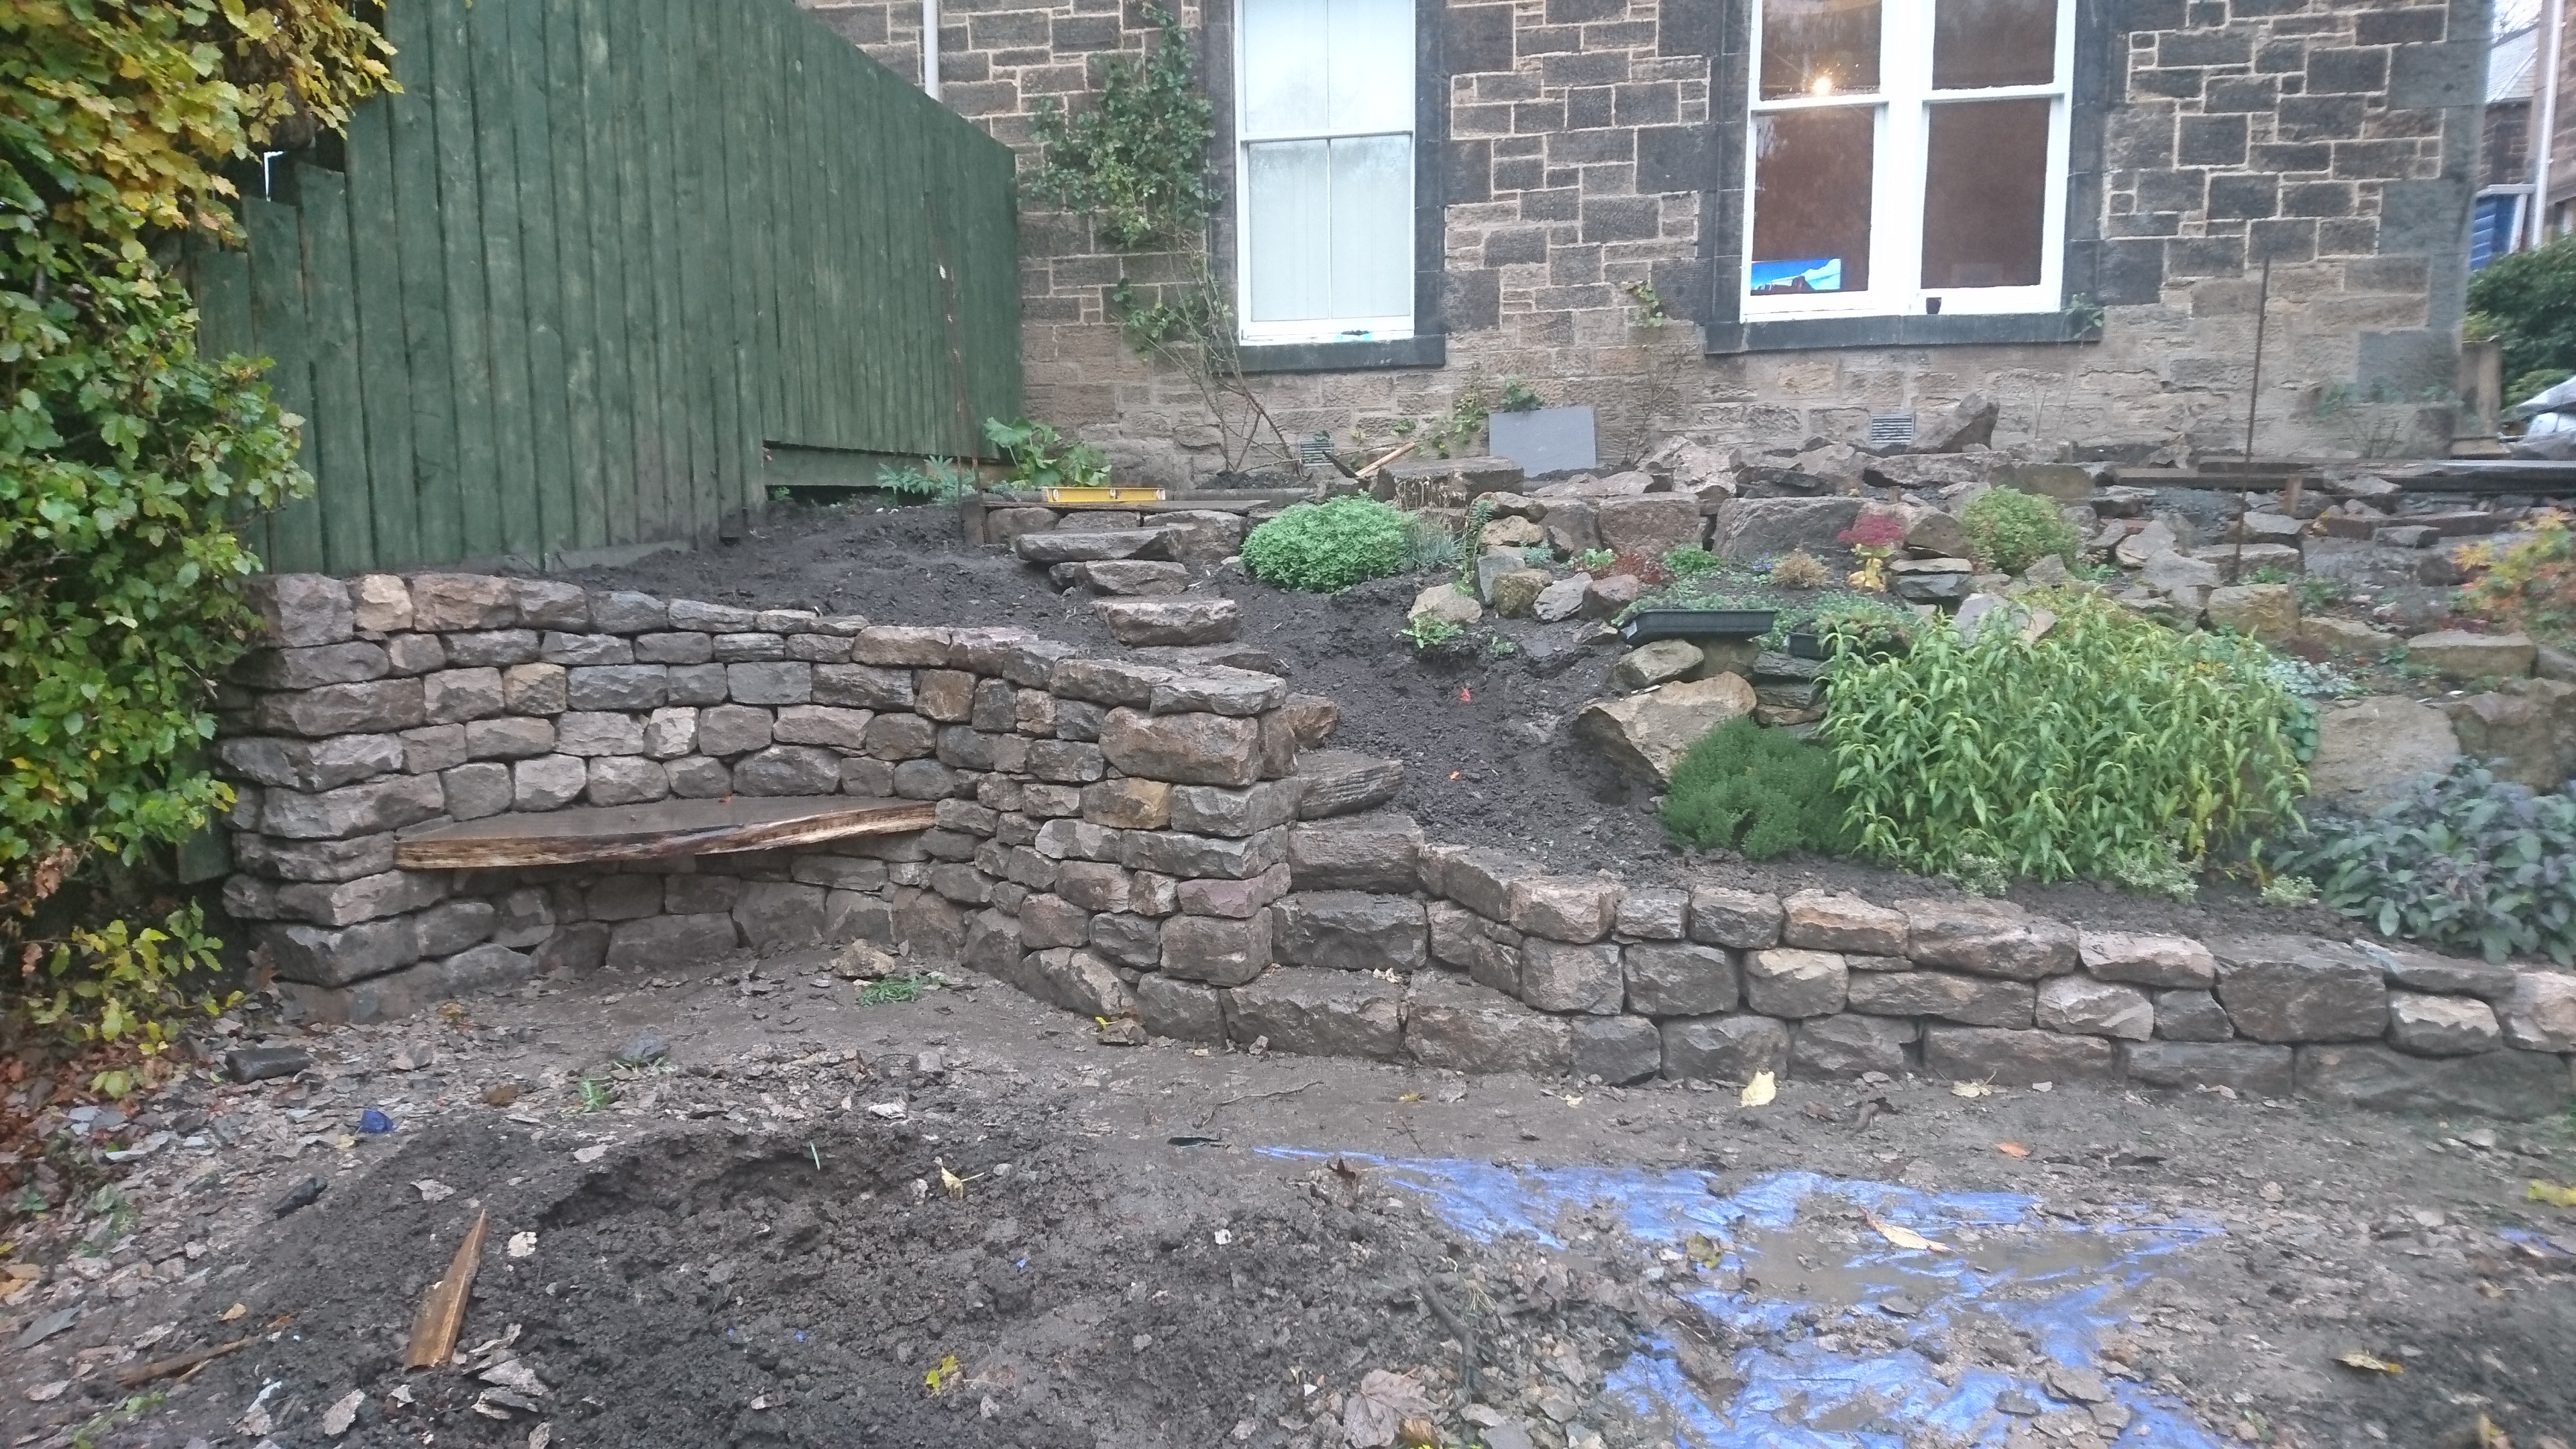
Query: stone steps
(1345,782)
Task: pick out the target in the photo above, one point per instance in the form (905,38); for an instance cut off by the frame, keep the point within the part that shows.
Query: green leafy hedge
(1322,547)
(2462,860)
(2109,744)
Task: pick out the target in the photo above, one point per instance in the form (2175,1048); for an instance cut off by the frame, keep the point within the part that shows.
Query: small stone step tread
(666,830)
(1066,546)
(1345,782)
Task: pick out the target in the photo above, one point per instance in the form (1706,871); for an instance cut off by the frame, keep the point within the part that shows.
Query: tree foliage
(125,455)
(2529,300)
(1136,162)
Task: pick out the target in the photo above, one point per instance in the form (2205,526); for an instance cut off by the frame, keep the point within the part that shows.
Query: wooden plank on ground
(442,1313)
(667,830)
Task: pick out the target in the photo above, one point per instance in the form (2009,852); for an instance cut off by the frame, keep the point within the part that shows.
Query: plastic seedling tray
(1652,624)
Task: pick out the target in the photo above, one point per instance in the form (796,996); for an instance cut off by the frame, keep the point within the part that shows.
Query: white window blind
(1907,156)
(1324,168)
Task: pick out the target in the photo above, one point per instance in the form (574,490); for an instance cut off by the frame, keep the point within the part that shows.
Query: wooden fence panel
(593,259)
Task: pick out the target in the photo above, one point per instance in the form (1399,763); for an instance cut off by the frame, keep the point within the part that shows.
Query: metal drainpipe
(930,48)
(2557,24)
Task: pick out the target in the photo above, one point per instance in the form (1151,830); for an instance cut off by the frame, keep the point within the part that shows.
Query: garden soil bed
(1488,760)
(1158,1247)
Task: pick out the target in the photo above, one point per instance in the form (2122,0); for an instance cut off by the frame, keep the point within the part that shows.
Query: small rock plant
(1763,791)
(2013,530)
(2529,584)
(2461,860)
(1323,548)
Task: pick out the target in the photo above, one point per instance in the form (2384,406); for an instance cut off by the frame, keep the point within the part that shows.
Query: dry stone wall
(1161,836)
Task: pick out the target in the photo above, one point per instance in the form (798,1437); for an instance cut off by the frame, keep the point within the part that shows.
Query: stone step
(1185,620)
(1123,576)
(1223,656)
(1065,546)
(1345,782)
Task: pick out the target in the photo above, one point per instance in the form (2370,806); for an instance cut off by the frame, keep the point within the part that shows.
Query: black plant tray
(1807,644)
(1649,625)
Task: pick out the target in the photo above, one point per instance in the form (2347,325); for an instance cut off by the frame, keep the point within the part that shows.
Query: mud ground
(1488,760)
(755,1244)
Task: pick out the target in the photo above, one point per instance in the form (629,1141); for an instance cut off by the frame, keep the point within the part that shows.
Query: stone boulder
(2515,735)
(1445,603)
(2369,750)
(1647,734)
(1350,931)
(1989,938)
(2269,612)
(1318,1013)
(1724,1048)
(1747,528)
(1134,621)
(1660,662)
(2458,654)
(2519,1086)
(2442,1026)
(1969,423)
(1847,1045)
(2239,563)
(1344,782)
(1091,547)
(2296,989)
(1516,593)
(1561,600)
(1468,1028)
(1654,524)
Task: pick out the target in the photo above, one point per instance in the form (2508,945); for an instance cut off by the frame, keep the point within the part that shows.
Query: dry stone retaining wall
(1128,836)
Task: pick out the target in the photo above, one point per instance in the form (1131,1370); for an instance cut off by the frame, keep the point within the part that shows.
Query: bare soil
(1488,760)
(736,1249)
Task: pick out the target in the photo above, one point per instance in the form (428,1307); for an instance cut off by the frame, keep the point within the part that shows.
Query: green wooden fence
(569,285)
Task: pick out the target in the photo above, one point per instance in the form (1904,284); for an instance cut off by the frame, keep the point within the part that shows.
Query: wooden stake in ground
(442,1313)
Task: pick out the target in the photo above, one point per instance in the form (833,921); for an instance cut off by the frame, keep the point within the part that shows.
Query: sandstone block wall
(1589,144)
(1134,837)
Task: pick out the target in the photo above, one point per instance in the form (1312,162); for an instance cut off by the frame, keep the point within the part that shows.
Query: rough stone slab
(1378,852)
(1986,938)
(1847,1045)
(1185,749)
(303,609)
(1724,1048)
(1344,782)
(2541,1013)
(1618,1050)
(1216,951)
(1745,920)
(1212,810)
(1652,914)
(1471,1028)
(2296,989)
(2250,1068)
(353,662)
(485,968)
(1077,981)
(377,706)
(1350,931)
(319,956)
(2519,1086)
(2174,962)
(2086,1007)
(1965,1000)
(2457,654)
(1217,690)
(1098,546)
(1183,620)
(2192,1016)
(367,898)
(1318,1013)
(1478,878)
(1747,528)
(1557,976)
(779,915)
(1233,899)
(1183,1010)
(1790,982)
(1646,734)
(2016,1058)
(1819,921)
(1577,909)
(1680,980)
(311,765)
(2442,1026)
(1172,853)
(369,808)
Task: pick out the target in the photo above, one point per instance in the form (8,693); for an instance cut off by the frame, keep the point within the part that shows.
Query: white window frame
(1903,153)
(1319,329)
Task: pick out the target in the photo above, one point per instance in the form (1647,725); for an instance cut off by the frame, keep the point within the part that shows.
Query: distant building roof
(2513,65)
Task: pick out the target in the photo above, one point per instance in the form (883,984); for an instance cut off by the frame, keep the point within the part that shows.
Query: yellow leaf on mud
(2551,1193)
(941,1373)
(1760,1090)
(1971,1089)
(2370,1362)
(951,1183)
(1905,1237)
(234,1313)
(2012,1149)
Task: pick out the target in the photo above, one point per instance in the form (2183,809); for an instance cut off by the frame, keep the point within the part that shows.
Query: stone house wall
(1587,144)
(1130,837)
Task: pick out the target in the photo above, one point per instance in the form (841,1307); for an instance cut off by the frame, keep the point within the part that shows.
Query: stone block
(1235,899)
(1186,749)
(1183,1010)
(536,689)
(1820,921)
(822,724)
(1748,528)
(1210,810)
(315,860)
(1578,909)
(1217,690)
(550,604)
(1966,1000)
(662,943)
(1789,982)
(491,647)
(992,945)
(452,696)
(1077,981)
(2177,962)
(676,648)
(485,968)
(1745,920)
(671,732)
(313,765)
(1558,976)
(548,782)
(788,770)
(1347,930)
(1132,940)
(2295,989)
(2442,1026)
(387,802)
(1217,951)
(1679,980)
(1846,1045)
(303,609)
(2085,1007)
(477,791)
(2519,1086)
(626,780)
(557,647)
(2192,1016)
(2249,1068)
(783,683)
(509,738)
(734,729)
(1988,939)
(1063,839)
(367,898)
(1134,622)
(1724,1048)
(1068,762)
(1378,852)
(2540,1015)
(2457,654)
(1093,885)
(1317,1013)
(575,949)
(429,749)
(319,956)
(409,654)
(379,706)
(1654,524)
(2269,612)
(1469,1028)
(1131,804)
(708,618)
(619,687)
(453,926)
(1645,735)
(2016,1058)
(699,895)
(1057,546)
(1048,920)
(1650,914)
(353,662)
(623,611)
(1478,878)
(747,648)
(379,604)
(588,733)
(933,927)
(1186,856)
(861,686)
(1618,1050)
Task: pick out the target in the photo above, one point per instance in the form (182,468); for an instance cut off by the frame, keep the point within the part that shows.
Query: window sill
(1421,351)
(1950,329)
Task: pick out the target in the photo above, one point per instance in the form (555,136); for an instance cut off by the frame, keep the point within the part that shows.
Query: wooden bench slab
(664,830)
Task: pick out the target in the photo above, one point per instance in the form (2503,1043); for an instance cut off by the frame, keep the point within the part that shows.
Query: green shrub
(2014,530)
(2108,741)
(1759,790)
(2461,859)
(1042,458)
(1322,547)
(2528,585)
(937,480)
(1690,563)
(2531,298)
